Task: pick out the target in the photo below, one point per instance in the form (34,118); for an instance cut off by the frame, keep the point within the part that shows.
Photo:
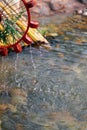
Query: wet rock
(12,108)
(19,96)
(7,125)
(0,124)
(60,120)
(5,107)
(19,127)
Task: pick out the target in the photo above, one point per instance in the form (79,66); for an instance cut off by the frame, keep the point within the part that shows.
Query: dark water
(47,90)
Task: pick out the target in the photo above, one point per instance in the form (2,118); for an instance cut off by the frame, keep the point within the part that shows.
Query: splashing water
(16,70)
(3,73)
(32,61)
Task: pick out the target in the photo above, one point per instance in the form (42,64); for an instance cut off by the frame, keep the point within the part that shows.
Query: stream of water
(47,90)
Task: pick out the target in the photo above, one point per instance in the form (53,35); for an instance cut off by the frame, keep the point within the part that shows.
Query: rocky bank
(51,7)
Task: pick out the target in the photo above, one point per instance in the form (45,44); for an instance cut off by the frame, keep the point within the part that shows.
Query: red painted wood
(18,48)
(3,51)
(27,40)
(31,3)
(0,17)
(34,24)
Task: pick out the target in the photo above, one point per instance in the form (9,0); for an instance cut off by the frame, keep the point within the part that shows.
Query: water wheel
(14,24)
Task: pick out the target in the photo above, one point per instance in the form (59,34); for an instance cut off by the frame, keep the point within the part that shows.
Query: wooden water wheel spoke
(15,23)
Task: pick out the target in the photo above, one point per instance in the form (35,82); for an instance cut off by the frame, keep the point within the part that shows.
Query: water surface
(47,90)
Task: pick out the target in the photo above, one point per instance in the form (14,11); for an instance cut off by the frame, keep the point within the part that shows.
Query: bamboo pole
(32,33)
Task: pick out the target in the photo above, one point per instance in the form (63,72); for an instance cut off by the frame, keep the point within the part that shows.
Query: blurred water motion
(47,90)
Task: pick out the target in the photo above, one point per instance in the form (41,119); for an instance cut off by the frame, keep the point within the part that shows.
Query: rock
(85,13)
(55,5)
(5,107)
(19,96)
(82,12)
(49,7)
(79,11)
(19,127)
(83,1)
(0,124)
(42,8)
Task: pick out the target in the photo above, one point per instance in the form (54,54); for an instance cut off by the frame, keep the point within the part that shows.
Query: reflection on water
(46,90)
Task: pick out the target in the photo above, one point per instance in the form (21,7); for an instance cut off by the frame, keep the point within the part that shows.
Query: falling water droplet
(40,51)
(4,77)
(2,64)
(16,69)
(33,63)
